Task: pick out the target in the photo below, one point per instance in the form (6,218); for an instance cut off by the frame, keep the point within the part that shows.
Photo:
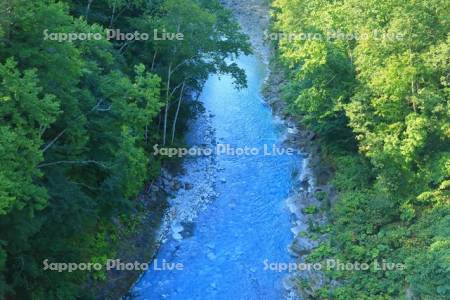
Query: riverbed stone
(302,246)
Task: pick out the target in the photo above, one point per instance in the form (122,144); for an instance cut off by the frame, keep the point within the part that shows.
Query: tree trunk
(146,133)
(153,61)
(88,8)
(112,16)
(176,113)
(166,110)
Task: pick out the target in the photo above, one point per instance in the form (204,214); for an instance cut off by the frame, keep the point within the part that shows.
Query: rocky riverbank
(167,208)
(311,195)
(181,199)
(254,18)
(194,188)
(188,194)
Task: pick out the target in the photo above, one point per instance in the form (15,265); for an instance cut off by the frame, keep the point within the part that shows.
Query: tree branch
(82,162)
(94,108)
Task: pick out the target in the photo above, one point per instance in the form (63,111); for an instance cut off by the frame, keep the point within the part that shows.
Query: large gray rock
(302,246)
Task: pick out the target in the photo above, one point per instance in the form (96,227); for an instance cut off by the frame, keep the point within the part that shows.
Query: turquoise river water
(248,223)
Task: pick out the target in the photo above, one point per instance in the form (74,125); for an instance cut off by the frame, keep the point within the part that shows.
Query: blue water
(249,221)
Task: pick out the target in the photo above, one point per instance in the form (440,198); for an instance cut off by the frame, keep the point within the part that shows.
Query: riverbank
(161,216)
(248,222)
(175,220)
(136,242)
(254,18)
(312,195)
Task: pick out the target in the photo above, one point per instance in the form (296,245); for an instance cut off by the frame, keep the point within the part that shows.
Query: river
(248,222)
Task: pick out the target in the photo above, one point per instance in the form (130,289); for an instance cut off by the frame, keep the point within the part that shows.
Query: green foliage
(379,101)
(321,195)
(24,117)
(78,121)
(310,210)
(430,253)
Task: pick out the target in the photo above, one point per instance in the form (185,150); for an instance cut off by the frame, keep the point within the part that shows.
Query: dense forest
(88,88)
(372,79)
(78,120)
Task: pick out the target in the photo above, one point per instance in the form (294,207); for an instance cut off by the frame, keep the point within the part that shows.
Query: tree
(377,77)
